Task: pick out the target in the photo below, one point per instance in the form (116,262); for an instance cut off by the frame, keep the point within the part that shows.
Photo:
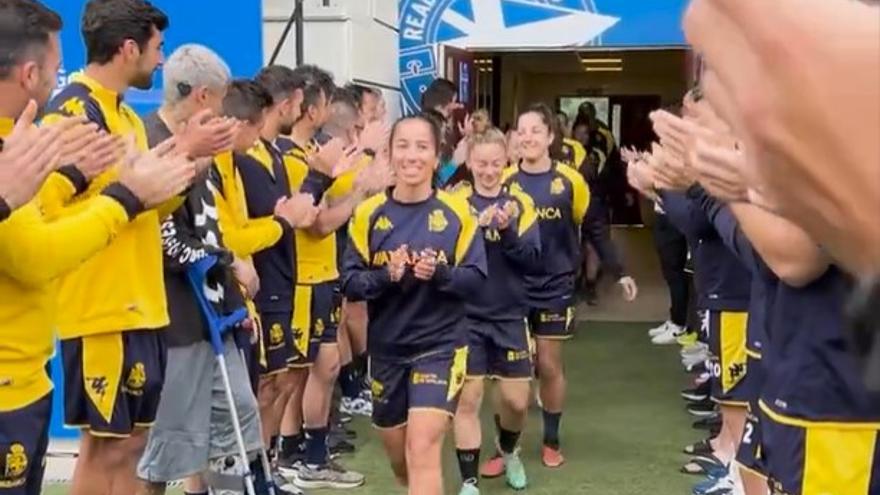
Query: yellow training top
(33,253)
(121,288)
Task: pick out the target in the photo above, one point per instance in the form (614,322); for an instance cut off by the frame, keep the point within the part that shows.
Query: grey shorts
(194,424)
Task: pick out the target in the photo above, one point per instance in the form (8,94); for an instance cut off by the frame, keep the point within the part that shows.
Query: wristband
(76,177)
(124,196)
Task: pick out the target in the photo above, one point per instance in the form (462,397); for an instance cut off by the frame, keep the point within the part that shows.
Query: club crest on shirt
(16,465)
(276,334)
(383,223)
(377,388)
(137,378)
(437,221)
(557,187)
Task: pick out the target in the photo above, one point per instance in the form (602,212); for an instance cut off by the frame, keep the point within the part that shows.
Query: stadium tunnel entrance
(624,85)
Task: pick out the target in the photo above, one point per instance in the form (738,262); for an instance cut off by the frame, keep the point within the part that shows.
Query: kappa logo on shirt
(74,107)
(737,370)
(437,221)
(383,224)
(557,187)
(98,385)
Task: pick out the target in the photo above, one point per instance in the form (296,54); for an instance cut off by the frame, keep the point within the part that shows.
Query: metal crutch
(264,457)
(217,325)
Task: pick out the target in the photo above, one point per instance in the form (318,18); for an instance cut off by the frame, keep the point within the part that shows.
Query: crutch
(217,325)
(264,457)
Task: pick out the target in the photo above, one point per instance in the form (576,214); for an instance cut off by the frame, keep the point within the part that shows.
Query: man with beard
(36,250)
(112,308)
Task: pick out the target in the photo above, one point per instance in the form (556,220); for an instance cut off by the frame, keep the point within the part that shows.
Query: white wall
(356,40)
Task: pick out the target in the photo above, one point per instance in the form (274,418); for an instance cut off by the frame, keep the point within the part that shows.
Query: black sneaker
(708,423)
(341,431)
(702,409)
(291,461)
(591,296)
(700,448)
(698,393)
(339,446)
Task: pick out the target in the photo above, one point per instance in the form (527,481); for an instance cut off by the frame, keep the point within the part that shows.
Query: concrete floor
(637,251)
(636,247)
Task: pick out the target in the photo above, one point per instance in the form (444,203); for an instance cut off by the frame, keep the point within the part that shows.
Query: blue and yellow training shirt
(121,288)
(561,198)
(414,317)
(511,253)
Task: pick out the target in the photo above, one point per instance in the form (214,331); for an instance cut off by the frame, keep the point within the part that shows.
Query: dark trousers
(672,248)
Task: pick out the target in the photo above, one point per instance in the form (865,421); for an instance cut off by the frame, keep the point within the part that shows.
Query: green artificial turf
(623,428)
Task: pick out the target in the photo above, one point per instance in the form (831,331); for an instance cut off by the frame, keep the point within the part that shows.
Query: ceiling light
(602,60)
(604,69)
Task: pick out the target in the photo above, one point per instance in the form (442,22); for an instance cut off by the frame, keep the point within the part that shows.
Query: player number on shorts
(747,435)
(715,368)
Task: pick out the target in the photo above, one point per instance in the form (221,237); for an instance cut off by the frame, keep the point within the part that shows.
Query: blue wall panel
(232,28)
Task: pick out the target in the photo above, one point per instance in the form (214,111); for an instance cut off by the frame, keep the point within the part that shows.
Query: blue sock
(348,381)
(316,446)
(551,428)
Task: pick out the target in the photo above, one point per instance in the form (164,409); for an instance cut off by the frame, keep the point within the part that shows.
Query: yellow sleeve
(250,237)
(242,235)
(297,170)
(580,193)
(528,217)
(55,194)
(580,154)
(344,184)
(469,225)
(359,227)
(34,251)
(509,172)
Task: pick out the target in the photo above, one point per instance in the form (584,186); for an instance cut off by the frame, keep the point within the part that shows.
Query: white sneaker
(356,407)
(723,486)
(670,336)
(661,328)
(691,360)
(695,348)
